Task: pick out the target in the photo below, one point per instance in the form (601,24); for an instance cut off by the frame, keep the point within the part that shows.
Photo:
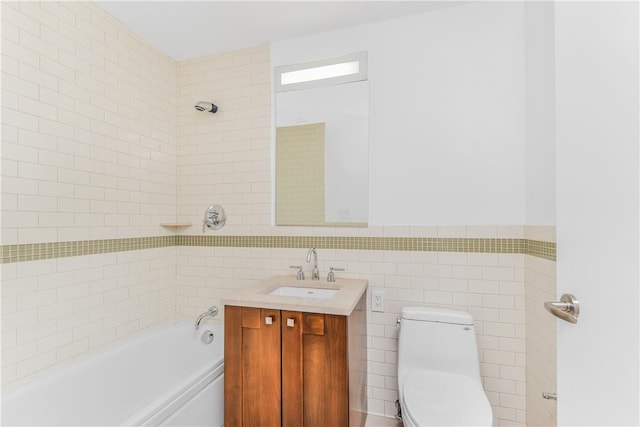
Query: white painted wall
(447,112)
(539,113)
(597,98)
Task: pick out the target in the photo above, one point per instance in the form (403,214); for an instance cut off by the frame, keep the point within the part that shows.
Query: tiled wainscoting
(56,309)
(92,293)
(490,286)
(540,286)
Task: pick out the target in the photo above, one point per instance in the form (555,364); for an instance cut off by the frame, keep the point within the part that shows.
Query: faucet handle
(300,275)
(331,277)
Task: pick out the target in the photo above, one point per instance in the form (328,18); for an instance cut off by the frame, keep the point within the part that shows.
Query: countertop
(342,303)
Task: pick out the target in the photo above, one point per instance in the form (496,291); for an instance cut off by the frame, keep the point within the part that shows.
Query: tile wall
(94,161)
(225,158)
(540,286)
(88,152)
(54,310)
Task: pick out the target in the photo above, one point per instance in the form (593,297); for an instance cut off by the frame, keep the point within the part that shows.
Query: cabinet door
(292,384)
(324,370)
(252,367)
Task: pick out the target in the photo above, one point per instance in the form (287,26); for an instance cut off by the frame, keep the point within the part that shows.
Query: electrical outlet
(377,301)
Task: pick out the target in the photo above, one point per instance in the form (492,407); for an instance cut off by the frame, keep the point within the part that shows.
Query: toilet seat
(433,398)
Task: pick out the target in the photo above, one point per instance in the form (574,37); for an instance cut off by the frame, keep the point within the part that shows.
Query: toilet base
(434,398)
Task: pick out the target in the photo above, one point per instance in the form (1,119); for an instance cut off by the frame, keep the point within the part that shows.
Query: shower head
(206,106)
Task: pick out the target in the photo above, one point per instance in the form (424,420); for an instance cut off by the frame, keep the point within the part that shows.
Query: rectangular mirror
(322,155)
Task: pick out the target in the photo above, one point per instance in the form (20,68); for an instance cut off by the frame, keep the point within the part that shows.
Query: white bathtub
(163,376)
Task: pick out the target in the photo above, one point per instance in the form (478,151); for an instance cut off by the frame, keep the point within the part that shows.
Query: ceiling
(188,29)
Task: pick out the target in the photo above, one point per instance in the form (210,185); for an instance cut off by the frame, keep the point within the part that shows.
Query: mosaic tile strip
(537,248)
(517,246)
(40,251)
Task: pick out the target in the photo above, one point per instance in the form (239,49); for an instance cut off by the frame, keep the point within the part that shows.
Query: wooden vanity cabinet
(293,369)
(252,367)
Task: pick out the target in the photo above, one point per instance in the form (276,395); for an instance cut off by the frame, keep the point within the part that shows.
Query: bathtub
(166,376)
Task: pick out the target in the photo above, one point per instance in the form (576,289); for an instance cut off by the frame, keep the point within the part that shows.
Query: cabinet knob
(291,323)
(268,320)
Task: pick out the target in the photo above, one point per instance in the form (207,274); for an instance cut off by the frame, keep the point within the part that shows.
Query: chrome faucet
(315,274)
(212,312)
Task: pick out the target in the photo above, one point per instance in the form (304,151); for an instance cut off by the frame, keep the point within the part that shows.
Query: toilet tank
(437,339)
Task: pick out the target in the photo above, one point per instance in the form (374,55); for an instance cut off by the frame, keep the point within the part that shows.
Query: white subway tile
(72,320)
(451,258)
(38,76)
(36,268)
(512,401)
(481,259)
(34,300)
(19,119)
(465,299)
(9,99)
(55,311)
(453,285)
(498,273)
(34,364)
(435,297)
(19,219)
(18,85)
(71,292)
(71,350)
(52,342)
(18,353)
(499,301)
(100,339)
(499,385)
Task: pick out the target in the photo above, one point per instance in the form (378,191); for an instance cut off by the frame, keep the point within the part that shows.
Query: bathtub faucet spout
(212,312)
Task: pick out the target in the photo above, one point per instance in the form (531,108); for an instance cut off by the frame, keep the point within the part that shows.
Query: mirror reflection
(300,174)
(322,155)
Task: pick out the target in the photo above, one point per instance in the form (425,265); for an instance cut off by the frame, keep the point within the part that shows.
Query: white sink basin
(300,291)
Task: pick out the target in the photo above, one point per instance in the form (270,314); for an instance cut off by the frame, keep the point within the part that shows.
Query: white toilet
(439,371)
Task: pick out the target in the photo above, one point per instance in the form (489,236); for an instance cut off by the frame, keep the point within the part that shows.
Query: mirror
(322,155)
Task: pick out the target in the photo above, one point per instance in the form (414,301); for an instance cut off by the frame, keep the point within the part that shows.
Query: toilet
(439,370)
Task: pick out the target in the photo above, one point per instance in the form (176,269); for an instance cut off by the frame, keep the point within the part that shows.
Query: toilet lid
(433,398)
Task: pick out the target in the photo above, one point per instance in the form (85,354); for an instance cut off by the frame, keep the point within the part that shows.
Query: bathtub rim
(160,409)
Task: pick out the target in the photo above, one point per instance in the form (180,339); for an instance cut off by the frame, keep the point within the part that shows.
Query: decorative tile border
(537,248)
(427,244)
(40,251)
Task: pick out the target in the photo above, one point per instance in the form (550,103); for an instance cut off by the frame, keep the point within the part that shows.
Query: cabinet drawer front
(257,318)
(312,324)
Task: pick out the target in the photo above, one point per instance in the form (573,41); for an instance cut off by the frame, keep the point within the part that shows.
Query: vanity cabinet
(292,368)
